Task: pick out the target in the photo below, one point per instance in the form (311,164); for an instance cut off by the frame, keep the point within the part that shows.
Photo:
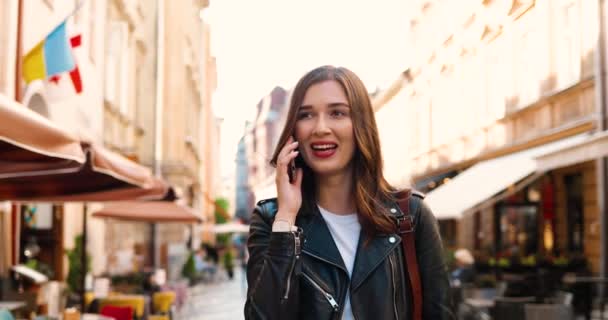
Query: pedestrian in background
(465,268)
(327,247)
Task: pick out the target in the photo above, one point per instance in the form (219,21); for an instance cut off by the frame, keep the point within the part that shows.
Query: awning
(105,176)
(487,179)
(229,227)
(32,145)
(148,211)
(595,146)
(41,162)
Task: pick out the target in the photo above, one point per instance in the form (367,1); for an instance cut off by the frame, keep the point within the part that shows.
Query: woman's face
(324,129)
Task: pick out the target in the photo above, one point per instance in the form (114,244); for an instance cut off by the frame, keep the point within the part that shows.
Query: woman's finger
(282,169)
(285,154)
(285,147)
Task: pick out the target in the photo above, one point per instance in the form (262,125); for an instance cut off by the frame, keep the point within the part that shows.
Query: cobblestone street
(221,300)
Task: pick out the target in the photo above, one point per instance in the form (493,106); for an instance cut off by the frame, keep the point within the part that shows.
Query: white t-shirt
(344,230)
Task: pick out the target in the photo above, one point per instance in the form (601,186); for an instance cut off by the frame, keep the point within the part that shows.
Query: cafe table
(11,305)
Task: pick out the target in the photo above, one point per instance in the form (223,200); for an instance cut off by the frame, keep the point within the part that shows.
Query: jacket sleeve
(437,302)
(272,270)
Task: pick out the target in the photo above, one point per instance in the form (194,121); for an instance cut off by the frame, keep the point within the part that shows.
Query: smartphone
(291,168)
(291,171)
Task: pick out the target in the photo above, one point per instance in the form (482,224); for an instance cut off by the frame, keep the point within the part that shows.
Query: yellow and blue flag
(50,57)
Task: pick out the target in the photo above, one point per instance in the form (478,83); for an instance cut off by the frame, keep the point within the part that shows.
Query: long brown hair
(371,189)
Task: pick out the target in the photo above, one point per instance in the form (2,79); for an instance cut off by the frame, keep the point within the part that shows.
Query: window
(518,230)
(116,69)
(574,211)
(498,79)
(526,54)
(568,43)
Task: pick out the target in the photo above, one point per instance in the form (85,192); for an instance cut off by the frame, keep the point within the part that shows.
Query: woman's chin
(329,170)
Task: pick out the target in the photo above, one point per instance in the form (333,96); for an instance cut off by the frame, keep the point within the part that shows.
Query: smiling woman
(350,264)
(324,129)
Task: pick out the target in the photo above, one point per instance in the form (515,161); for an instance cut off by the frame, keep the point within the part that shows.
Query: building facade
(260,139)
(492,84)
(243,195)
(58,101)
(148,76)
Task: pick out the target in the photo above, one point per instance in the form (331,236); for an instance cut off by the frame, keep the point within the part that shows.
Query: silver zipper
(296,240)
(328,296)
(390,260)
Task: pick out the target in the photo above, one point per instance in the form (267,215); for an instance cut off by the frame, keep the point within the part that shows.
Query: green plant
(229,262)
(189,268)
(528,260)
(485,281)
(228,259)
(40,267)
(448,256)
(504,262)
(221,208)
(76,270)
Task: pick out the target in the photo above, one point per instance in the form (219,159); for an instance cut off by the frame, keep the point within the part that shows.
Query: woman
(326,248)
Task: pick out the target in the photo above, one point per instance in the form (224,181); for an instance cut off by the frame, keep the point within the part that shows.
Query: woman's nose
(321,127)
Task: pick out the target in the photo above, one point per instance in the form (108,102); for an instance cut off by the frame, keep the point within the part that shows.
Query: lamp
(31,249)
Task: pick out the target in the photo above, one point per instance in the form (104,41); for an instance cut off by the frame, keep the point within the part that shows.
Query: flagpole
(15,208)
(19,57)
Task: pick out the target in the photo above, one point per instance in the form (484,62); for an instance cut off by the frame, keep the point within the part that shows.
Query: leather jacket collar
(320,244)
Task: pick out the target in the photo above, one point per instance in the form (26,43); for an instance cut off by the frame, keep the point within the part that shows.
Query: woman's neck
(334,193)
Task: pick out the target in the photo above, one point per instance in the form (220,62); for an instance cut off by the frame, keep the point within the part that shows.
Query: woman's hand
(288,194)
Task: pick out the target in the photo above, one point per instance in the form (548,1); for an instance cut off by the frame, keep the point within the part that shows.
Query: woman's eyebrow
(329,105)
(338,104)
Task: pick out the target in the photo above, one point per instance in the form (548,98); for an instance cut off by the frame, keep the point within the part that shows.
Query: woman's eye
(304,115)
(338,113)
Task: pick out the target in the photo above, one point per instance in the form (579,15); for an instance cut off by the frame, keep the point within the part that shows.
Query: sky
(261,44)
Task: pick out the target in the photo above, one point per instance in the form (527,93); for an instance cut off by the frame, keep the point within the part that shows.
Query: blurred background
(135,139)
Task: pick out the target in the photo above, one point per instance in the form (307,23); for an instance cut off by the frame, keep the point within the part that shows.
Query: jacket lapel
(369,257)
(319,243)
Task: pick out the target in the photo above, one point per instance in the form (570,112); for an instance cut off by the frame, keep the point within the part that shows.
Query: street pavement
(223,299)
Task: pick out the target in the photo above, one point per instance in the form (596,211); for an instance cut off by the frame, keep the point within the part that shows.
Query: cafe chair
(548,311)
(118,313)
(510,308)
(162,301)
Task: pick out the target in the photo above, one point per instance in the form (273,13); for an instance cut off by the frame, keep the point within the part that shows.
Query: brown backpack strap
(405,228)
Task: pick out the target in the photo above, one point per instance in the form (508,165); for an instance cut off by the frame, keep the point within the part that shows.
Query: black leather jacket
(300,275)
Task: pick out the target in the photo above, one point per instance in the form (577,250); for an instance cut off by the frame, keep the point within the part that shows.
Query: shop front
(535,207)
(42,169)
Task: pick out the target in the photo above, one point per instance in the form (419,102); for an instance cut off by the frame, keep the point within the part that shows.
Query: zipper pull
(332,301)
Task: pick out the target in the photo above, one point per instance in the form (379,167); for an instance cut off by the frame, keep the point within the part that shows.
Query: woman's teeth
(323,146)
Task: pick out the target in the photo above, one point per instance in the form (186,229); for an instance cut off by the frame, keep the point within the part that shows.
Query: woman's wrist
(287,217)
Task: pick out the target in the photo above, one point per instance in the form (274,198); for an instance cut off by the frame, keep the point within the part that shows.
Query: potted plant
(189,269)
(76,271)
(229,262)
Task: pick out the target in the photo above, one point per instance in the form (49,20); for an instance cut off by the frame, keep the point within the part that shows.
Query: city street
(216,301)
